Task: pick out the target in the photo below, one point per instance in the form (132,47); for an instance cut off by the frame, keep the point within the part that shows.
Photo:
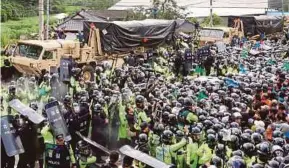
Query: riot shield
(91,142)
(142,157)
(24,110)
(83,119)
(56,120)
(65,64)
(12,142)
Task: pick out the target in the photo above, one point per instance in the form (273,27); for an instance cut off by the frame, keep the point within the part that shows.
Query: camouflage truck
(34,57)
(101,40)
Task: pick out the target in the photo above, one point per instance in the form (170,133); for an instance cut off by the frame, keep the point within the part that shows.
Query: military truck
(33,57)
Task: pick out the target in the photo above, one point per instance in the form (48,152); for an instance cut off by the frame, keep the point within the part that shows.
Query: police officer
(22,91)
(31,144)
(84,155)
(45,89)
(186,115)
(164,152)
(123,136)
(11,95)
(179,155)
(198,153)
(55,85)
(140,113)
(188,59)
(83,117)
(177,63)
(74,82)
(249,152)
(99,129)
(58,153)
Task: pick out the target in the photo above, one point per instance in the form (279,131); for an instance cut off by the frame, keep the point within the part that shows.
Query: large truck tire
(88,73)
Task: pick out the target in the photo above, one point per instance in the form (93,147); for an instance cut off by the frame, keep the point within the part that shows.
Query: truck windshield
(29,51)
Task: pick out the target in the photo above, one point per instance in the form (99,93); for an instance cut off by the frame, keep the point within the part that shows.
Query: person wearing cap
(58,153)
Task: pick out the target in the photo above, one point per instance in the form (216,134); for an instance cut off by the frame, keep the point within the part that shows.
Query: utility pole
(47,21)
(41,19)
(211,13)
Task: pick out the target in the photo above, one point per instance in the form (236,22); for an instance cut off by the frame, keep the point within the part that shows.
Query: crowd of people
(213,109)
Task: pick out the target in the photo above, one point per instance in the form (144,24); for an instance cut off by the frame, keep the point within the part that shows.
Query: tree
(216,20)
(167,9)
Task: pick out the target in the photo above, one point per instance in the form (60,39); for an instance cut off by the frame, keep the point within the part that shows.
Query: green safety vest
(165,152)
(123,128)
(84,164)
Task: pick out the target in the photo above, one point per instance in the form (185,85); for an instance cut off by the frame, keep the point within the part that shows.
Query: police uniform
(56,156)
(165,152)
(188,59)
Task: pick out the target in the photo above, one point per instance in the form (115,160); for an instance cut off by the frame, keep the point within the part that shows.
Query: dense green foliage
(12,30)
(93,4)
(216,20)
(19,17)
(17,9)
(167,9)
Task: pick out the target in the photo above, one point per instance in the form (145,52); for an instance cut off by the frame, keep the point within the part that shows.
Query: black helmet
(237,161)
(51,99)
(179,135)
(167,136)
(12,89)
(211,131)
(46,77)
(277,133)
(196,131)
(220,150)
(245,137)
(165,116)
(211,140)
(168,108)
(279,141)
(234,142)
(277,151)
(83,148)
(159,128)
(236,131)
(237,115)
(260,130)
(256,138)
(249,131)
(19,122)
(208,124)
(75,71)
(263,150)
(272,164)
(234,125)
(172,119)
(249,149)
(142,138)
(188,102)
(216,161)
(217,127)
(238,153)
(139,99)
(97,108)
(67,99)
(143,125)
(34,106)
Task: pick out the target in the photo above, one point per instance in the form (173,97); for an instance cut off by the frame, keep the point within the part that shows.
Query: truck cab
(32,56)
